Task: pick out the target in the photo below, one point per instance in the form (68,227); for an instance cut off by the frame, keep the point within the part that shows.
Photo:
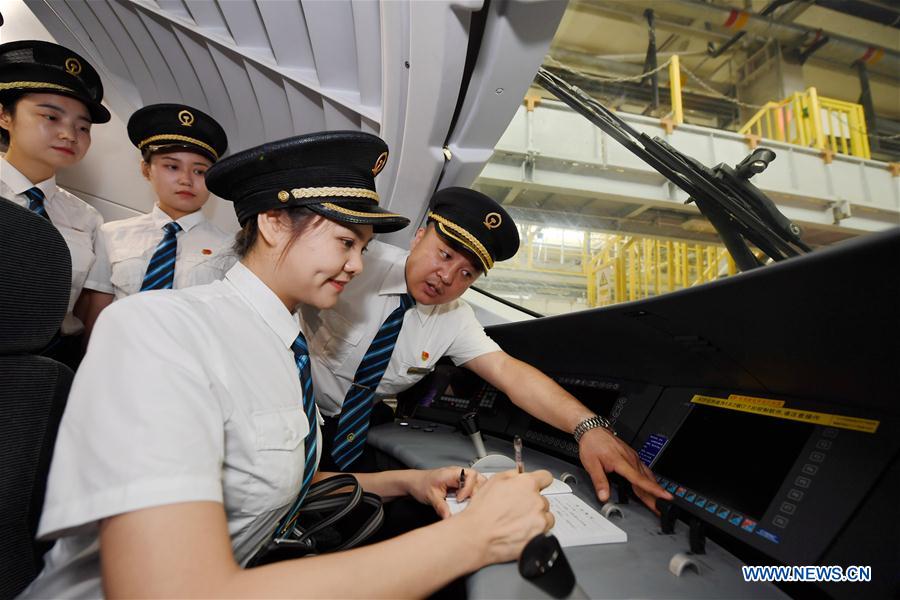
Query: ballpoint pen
(517,447)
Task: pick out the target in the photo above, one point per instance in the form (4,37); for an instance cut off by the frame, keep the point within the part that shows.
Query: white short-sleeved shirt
(76,220)
(124,249)
(339,337)
(185,395)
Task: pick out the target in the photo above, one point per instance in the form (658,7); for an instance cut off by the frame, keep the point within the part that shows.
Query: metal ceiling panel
(267,69)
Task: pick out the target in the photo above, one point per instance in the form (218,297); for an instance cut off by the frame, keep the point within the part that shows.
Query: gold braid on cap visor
(356,213)
(341,192)
(465,238)
(173,138)
(17,85)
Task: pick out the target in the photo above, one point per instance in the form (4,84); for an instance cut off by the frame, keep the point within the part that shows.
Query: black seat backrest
(35,276)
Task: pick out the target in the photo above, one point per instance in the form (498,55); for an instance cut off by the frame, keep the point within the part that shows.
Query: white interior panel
(306,109)
(174,7)
(246,26)
(272,101)
(331,33)
(286,27)
(189,86)
(242,99)
(208,15)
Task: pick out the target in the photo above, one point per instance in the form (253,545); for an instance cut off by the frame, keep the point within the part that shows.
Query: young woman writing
(192,424)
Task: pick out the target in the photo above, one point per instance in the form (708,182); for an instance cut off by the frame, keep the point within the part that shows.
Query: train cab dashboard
(781,446)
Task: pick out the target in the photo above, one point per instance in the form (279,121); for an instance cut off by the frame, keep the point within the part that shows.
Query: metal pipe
(772,6)
(650,63)
(846,49)
(865,98)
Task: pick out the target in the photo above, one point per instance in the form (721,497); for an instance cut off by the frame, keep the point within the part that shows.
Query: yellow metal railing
(630,268)
(622,268)
(809,120)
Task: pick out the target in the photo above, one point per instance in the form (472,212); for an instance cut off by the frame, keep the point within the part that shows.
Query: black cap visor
(97,111)
(167,148)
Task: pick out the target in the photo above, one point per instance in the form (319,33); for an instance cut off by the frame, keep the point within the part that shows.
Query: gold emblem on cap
(379,164)
(284,196)
(492,220)
(73,67)
(186,118)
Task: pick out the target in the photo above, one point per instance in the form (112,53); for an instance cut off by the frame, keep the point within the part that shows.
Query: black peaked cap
(331,173)
(477,222)
(33,66)
(177,126)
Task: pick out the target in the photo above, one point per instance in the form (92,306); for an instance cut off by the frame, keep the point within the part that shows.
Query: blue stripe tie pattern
(353,424)
(161,270)
(301,357)
(36,202)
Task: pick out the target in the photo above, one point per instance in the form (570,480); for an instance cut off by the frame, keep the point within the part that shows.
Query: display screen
(737,458)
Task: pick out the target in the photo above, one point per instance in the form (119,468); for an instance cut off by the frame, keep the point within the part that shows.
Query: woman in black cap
(173,246)
(191,431)
(49,98)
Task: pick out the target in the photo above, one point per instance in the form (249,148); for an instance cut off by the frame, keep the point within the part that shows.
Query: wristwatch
(592,423)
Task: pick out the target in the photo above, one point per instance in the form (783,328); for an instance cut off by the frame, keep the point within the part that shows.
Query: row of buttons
(553,441)
(452,402)
(804,481)
(723,512)
(427,428)
(488,396)
(592,383)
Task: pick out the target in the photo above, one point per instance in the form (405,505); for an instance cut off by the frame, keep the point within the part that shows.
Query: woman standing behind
(192,428)
(49,98)
(173,246)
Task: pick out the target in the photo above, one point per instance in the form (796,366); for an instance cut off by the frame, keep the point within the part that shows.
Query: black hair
(471,256)
(9,101)
(246,238)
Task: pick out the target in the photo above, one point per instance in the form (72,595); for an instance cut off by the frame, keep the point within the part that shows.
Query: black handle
(469,423)
(544,563)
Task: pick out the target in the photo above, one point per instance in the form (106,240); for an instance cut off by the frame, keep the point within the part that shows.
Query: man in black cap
(403,313)
(49,99)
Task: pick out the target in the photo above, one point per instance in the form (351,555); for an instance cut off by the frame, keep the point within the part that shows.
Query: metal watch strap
(592,423)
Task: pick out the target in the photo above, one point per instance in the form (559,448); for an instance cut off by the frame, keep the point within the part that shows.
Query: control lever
(486,463)
(469,424)
(621,485)
(544,563)
(668,514)
(697,536)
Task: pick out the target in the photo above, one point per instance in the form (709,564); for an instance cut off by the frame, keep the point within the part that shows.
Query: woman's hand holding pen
(432,486)
(507,512)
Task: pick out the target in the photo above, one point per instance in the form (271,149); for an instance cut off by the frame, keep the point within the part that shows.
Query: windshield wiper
(739,211)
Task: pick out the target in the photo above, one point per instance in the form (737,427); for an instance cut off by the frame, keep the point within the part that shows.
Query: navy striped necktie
(301,357)
(36,201)
(357,408)
(161,270)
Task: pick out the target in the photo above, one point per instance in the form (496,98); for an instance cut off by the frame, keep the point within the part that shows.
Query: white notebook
(577,523)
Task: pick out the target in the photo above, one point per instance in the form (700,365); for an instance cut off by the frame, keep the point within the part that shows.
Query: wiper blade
(737,209)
